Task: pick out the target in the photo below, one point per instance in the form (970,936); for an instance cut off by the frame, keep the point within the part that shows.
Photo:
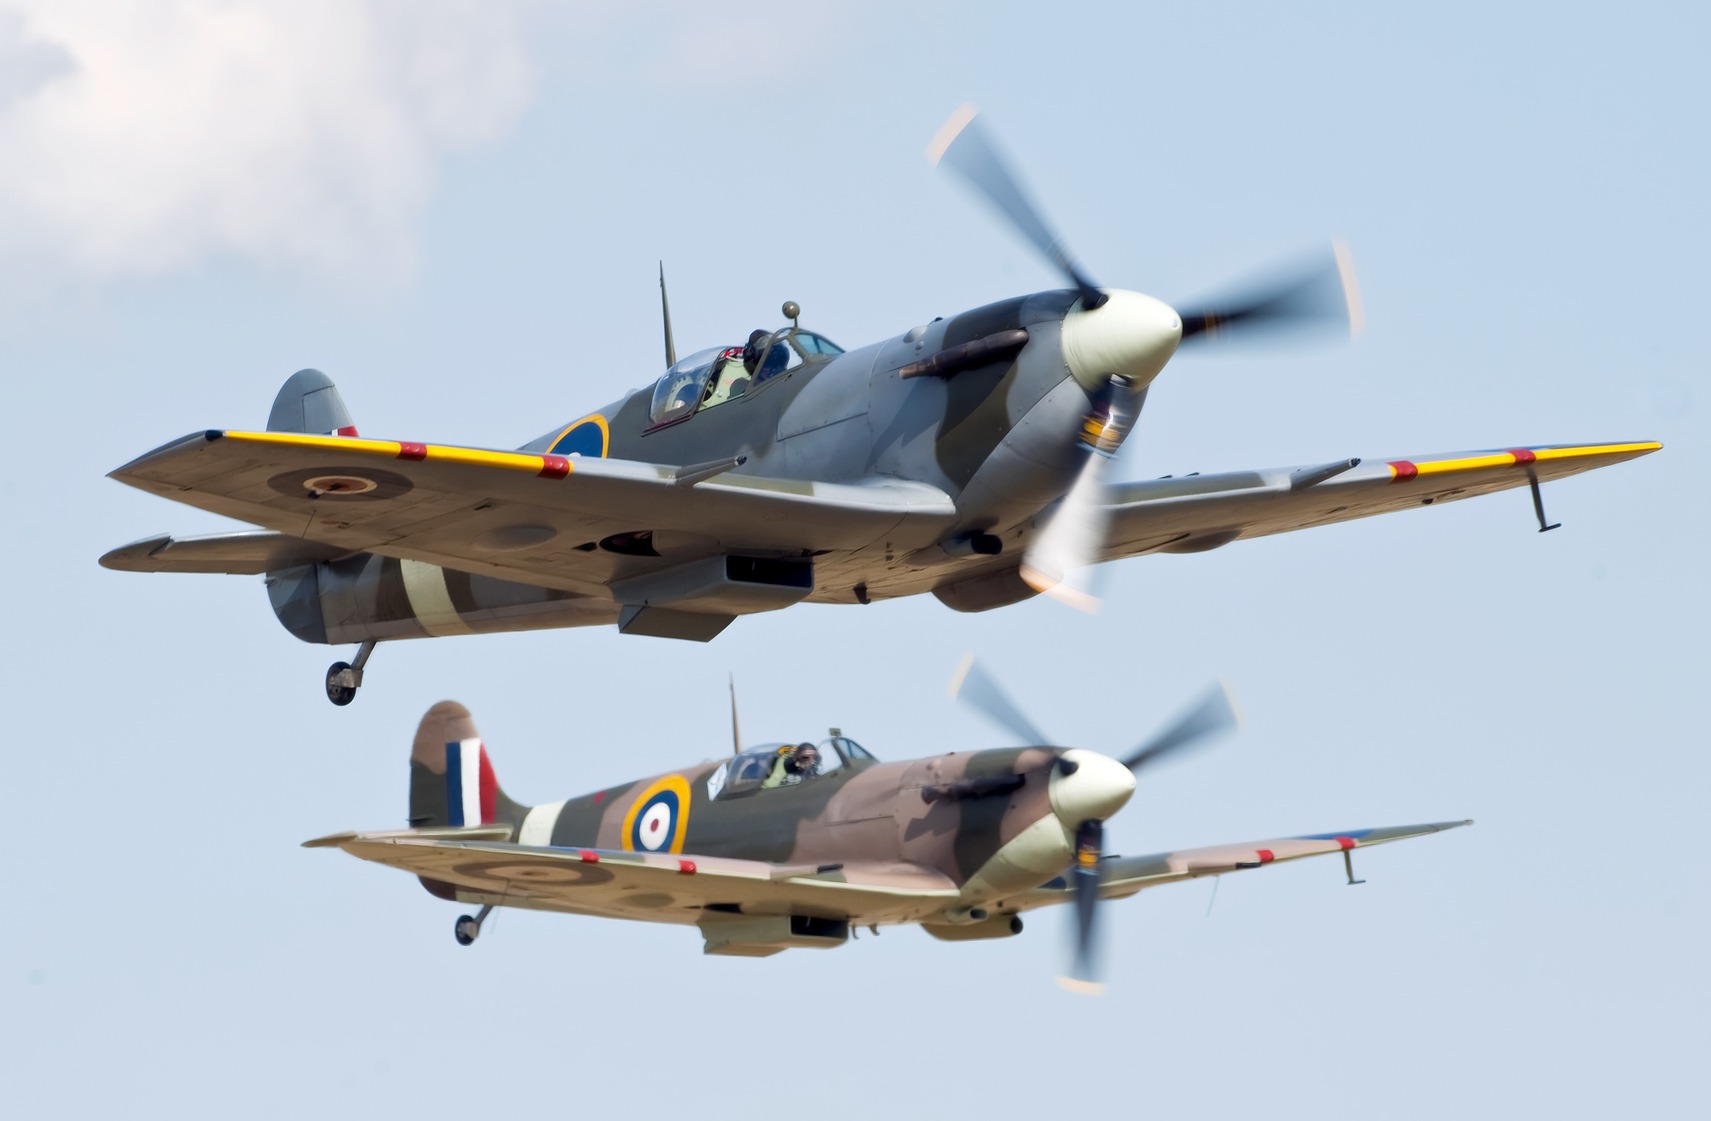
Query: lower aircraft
(799,845)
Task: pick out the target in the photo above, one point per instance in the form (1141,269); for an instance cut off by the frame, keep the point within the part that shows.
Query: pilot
(793,765)
(762,361)
(752,351)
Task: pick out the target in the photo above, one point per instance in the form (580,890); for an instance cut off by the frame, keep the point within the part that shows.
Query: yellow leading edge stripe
(392,449)
(534,464)
(1541,455)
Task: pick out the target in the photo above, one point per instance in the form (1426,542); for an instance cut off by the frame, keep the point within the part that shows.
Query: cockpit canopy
(752,769)
(719,374)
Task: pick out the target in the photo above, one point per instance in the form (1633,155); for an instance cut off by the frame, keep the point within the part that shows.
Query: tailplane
(309,402)
(451,779)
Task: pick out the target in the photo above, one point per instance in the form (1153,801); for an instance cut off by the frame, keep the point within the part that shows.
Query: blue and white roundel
(654,826)
(658,818)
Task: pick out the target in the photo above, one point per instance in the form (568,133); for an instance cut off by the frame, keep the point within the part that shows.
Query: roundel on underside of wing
(484,875)
(341,483)
(589,436)
(657,820)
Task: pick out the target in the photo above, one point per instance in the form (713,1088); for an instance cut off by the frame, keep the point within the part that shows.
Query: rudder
(451,779)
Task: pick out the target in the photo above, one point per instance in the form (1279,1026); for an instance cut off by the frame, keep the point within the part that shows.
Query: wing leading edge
(516,515)
(1198,512)
(1122,876)
(692,890)
(653,887)
(539,518)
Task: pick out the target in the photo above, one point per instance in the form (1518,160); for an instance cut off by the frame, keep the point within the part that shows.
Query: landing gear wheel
(466,929)
(345,678)
(337,691)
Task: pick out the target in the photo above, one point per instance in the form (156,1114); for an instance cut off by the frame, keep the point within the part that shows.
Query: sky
(458,210)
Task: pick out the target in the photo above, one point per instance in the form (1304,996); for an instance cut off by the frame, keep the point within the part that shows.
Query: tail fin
(451,780)
(309,402)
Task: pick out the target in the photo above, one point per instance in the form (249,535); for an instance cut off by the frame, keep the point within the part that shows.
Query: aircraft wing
(654,887)
(1122,876)
(532,518)
(1193,513)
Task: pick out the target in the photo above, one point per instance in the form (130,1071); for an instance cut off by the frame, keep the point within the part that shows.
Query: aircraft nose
(1130,334)
(1088,786)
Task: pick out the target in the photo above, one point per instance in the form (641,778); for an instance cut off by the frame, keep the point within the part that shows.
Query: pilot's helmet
(752,349)
(805,757)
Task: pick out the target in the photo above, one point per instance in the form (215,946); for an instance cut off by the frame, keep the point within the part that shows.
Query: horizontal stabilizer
(496,832)
(249,553)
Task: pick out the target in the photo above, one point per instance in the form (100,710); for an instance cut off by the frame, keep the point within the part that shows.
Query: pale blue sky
(459,215)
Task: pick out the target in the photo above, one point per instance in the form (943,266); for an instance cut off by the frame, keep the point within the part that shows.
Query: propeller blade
(962,146)
(973,686)
(1084,881)
(1057,560)
(1215,713)
(1321,294)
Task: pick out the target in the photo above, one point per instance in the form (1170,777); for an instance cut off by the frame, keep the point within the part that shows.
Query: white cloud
(140,138)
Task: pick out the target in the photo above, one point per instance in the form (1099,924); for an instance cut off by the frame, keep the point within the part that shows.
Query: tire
(339,694)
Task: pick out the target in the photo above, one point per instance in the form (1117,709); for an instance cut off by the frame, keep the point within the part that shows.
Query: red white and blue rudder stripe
(472,793)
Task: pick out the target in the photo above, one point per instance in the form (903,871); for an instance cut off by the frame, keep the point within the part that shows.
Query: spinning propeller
(1318,294)
(1214,714)
(962,146)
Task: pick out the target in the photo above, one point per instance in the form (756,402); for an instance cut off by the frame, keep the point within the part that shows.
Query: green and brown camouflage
(761,861)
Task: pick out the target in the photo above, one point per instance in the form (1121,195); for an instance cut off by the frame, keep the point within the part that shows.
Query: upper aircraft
(965,457)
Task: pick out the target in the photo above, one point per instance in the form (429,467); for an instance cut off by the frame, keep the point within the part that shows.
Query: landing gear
(467,928)
(345,678)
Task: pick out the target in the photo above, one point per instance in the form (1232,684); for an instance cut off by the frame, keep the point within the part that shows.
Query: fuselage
(993,822)
(984,407)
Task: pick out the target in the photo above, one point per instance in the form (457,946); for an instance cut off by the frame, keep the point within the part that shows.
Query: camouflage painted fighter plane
(964,457)
(782,846)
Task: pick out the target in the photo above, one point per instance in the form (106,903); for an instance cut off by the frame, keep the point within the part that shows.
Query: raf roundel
(659,817)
